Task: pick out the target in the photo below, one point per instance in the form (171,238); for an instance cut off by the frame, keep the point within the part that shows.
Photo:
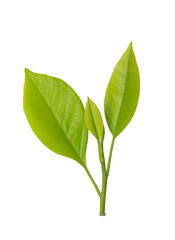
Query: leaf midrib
(56,119)
(123,91)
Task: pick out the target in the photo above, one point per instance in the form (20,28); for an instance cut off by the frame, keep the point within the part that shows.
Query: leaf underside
(122,93)
(56,115)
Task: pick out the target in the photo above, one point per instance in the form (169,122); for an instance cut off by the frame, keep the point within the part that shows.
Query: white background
(46,196)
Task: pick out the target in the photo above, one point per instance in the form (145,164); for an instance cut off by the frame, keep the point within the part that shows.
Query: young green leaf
(122,93)
(56,115)
(93,119)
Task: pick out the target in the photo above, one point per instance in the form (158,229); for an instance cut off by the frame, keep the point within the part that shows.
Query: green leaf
(56,115)
(93,119)
(122,93)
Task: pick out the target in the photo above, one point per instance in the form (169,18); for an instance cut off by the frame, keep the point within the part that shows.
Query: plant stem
(110,156)
(103,195)
(105,174)
(104,179)
(101,157)
(93,182)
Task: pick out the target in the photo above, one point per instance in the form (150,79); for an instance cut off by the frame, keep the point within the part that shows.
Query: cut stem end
(102,214)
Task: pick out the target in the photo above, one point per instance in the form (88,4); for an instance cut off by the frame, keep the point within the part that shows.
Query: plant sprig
(58,118)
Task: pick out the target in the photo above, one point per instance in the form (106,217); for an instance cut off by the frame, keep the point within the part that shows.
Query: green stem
(101,157)
(110,155)
(93,182)
(105,174)
(103,195)
(104,179)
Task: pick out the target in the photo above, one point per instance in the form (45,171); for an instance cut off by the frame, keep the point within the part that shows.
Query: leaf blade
(93,119)
(56,115)
(122,93)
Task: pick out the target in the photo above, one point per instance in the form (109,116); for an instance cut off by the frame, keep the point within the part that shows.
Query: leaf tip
(89,100)
(26,70)
(130,45)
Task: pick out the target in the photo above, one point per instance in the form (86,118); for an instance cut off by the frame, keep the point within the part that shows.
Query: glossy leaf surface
(93,119)
(56,115)
(122,93)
